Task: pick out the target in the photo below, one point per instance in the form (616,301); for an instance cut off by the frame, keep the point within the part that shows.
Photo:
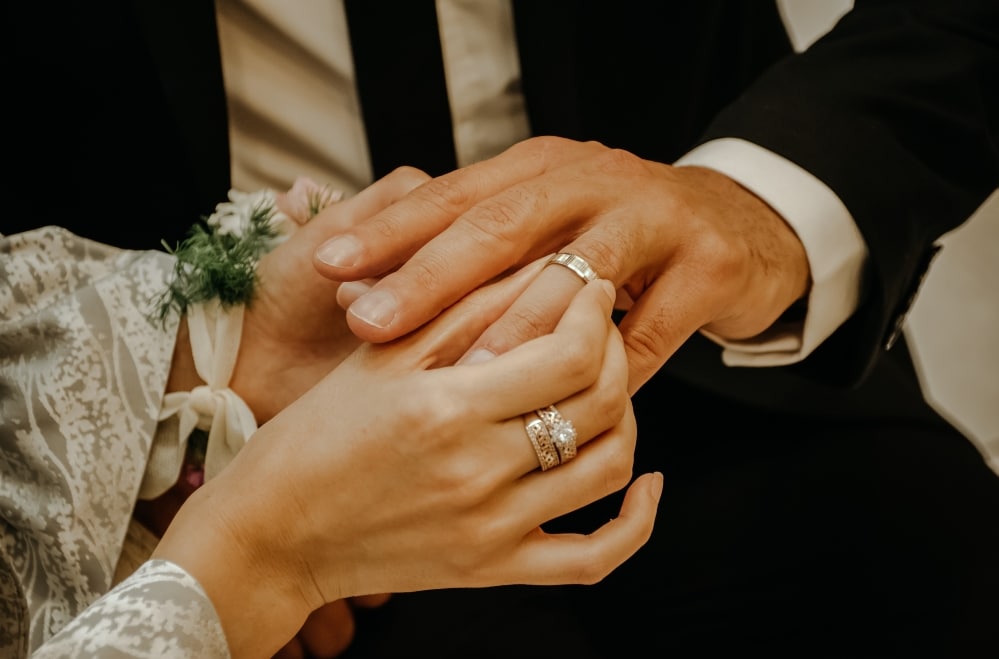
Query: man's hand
(691,248)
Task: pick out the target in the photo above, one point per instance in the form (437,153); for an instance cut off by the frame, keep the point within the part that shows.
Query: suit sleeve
(896,110)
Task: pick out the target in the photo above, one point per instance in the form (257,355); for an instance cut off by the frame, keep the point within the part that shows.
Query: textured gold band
(575,263)
(547,454)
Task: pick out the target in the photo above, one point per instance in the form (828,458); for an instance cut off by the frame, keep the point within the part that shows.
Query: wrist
(246,382)
(225,546)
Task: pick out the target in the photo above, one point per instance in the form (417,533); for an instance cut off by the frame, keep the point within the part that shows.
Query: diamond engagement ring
(561,431)
(575,263)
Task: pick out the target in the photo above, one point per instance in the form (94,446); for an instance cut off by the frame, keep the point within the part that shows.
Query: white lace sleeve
(82,376)
(159,611)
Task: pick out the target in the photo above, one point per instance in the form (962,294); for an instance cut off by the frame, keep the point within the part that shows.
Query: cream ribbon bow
(215,334)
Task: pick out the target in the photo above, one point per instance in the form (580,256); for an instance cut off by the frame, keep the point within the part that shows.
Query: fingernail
(477,356)
(350,291)
(376,308)
(657,486)
(609,289)
(341,252)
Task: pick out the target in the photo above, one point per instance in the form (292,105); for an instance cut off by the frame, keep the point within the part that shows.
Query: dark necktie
(400,80)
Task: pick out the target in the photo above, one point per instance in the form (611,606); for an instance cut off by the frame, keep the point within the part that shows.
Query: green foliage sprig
(218,259)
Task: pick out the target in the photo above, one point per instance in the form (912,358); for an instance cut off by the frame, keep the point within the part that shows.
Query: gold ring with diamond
(575,263)
(561,431)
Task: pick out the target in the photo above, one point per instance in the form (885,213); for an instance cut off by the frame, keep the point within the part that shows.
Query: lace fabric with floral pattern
(82,375)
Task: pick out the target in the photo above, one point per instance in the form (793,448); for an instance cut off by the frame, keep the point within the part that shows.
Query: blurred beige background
(953,328)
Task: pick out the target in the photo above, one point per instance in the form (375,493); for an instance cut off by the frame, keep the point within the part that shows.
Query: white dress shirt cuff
(835,248)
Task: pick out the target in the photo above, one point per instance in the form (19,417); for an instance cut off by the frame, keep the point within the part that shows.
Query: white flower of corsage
(234,217)
(218,259)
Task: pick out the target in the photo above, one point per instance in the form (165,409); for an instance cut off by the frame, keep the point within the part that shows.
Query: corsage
(214,279)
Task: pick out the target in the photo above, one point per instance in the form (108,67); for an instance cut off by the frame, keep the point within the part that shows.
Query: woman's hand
(400,472)
(293,334)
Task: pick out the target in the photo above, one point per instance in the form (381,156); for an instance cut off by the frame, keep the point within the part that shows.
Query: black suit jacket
(119,128)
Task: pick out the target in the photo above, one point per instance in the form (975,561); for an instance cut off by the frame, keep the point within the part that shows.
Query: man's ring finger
(575,263)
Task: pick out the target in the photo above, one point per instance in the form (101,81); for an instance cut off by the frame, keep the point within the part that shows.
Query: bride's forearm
(256,598)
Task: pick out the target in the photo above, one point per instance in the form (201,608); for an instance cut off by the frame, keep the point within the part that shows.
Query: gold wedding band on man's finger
(577,264)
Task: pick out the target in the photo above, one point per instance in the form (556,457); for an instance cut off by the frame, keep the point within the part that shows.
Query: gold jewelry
(561,431)
(547,454)
(575,263)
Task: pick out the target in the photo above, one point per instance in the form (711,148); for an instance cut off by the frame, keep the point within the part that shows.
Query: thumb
(342,215)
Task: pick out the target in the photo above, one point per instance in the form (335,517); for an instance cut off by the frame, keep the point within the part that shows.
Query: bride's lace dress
(82,375)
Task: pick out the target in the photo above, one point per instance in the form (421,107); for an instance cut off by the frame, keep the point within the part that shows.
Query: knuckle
(711,254)
(577,364)
(527,322)
(595,144)
(607,250)
(644,340)
(409,173)
(617,471)
(589,569)
(542,152)
(447,194)
(589,575)
(435,411)
(596,571)
(429,270)
(542,144)
(612,387)
(451,411)
(463,481)
(620,163)
(717,253)
(386,224)
(609,407)
(502,217)
(407,177)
